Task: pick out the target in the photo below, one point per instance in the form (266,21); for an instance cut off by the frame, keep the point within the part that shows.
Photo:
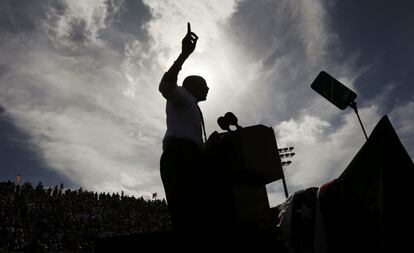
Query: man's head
(197,86)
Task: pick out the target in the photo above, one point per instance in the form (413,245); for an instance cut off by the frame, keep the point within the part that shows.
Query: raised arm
(169,80)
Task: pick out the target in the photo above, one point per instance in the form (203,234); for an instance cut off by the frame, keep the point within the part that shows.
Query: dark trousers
(181,173)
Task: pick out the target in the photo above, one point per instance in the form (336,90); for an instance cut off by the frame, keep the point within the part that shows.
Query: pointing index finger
(188,27)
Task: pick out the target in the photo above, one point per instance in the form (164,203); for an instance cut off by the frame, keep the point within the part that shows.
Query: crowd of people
(56,219)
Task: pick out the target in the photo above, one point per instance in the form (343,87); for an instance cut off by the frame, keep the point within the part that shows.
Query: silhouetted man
(183,141)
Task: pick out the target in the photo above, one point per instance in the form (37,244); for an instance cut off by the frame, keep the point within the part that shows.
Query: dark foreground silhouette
(343,215)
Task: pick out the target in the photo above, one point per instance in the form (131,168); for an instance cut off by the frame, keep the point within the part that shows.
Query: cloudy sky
(79,100)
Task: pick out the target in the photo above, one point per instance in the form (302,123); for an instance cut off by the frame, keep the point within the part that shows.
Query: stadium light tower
(283,154)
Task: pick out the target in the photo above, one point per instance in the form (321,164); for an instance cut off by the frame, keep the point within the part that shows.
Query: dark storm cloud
(380,34)
(266,27)
(124,20)
(24,15)
(22,23)
(4,68)
(291,40)
(127,19)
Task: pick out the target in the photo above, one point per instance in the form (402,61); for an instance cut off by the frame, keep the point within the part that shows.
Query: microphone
(232,119)
(223,123)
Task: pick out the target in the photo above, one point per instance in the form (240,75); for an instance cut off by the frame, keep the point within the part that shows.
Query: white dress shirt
(183,115)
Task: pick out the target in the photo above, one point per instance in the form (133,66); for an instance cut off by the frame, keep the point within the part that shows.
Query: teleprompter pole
(353,105)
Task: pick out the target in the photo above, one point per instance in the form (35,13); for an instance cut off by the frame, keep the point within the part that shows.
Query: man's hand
(170,77)
(189,42)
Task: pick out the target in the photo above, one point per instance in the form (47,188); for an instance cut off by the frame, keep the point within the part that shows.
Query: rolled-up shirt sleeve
(172,92)
(167,86)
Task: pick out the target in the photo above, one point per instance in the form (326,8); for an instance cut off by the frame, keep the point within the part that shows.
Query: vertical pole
(284,184)
(353,106)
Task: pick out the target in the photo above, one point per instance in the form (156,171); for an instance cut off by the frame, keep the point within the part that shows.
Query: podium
(243,162)
(236,211)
